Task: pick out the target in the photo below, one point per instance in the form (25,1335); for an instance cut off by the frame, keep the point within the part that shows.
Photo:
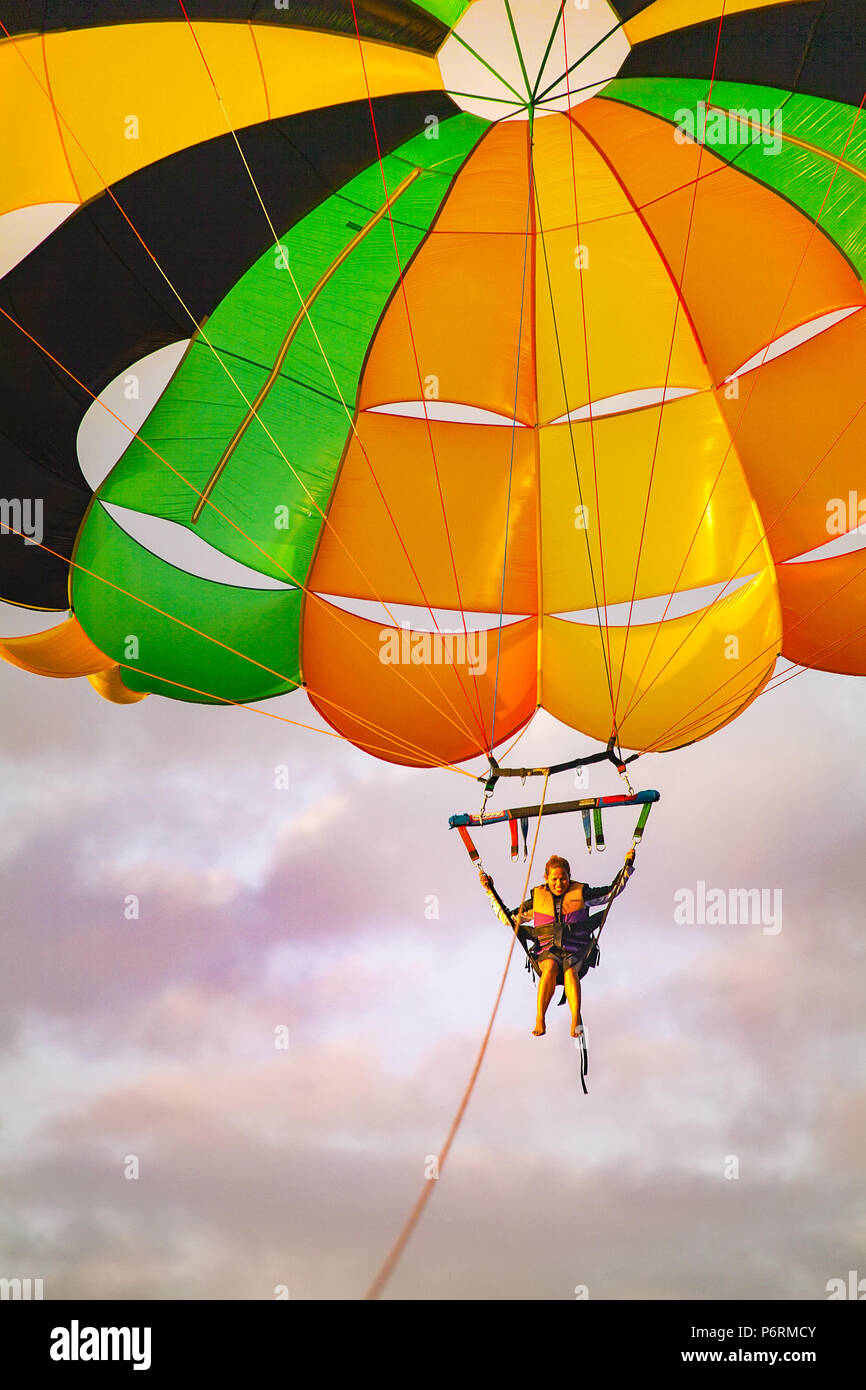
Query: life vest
(574,913)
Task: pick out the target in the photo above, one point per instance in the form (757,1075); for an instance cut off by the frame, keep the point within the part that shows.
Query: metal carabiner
(624,775)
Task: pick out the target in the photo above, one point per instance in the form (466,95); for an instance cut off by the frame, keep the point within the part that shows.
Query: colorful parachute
(442,416)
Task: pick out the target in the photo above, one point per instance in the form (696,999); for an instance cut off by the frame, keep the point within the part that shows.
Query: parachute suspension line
(201,332)
(399,1246)
(509,750)
(602,629)
(575,91)
(422,397)
(550,42)
(348,413)
(838,163)
(687,731)
(583,312)
(511,456)
(839,644)
(680,291)
(582,59)
(843,642)
(483,61)
(515,105)
(519,53)
(270,714)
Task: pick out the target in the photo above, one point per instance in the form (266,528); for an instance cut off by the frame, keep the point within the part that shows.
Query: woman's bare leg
(546,987)
(572,994)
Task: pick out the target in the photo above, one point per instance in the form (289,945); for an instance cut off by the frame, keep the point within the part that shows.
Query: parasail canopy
(318,371)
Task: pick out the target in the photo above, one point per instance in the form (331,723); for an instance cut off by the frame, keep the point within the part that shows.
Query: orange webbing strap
(467,840)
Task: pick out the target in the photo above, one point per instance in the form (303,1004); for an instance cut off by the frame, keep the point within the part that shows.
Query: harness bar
(491,777)
(589,803)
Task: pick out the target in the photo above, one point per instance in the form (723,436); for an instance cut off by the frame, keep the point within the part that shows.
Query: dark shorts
(570,957)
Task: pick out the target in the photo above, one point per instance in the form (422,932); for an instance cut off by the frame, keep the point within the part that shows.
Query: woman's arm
(518,916)
(598,897)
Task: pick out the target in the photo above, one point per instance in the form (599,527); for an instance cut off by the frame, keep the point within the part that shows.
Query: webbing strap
(599,832)
(641,822)
(512,826)
(467,840)
(524,830)
(587,829)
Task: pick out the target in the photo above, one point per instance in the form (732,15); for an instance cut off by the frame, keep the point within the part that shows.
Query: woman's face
(557,881)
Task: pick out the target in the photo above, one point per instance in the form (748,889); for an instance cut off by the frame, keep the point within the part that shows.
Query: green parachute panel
(176,634)
(265,509)
(448,11)
(825,180)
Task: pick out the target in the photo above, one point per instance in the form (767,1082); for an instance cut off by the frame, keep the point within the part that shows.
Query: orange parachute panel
(824,610)
(415,697)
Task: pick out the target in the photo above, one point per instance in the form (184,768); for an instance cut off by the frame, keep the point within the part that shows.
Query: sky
(307,908)
(159,1142)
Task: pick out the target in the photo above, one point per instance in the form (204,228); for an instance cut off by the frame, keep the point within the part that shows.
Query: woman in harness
(561,930)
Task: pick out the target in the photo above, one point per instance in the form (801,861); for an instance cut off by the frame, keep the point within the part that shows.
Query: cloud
(343,909)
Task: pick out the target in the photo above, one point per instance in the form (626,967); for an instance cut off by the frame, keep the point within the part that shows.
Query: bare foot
(539,1030)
